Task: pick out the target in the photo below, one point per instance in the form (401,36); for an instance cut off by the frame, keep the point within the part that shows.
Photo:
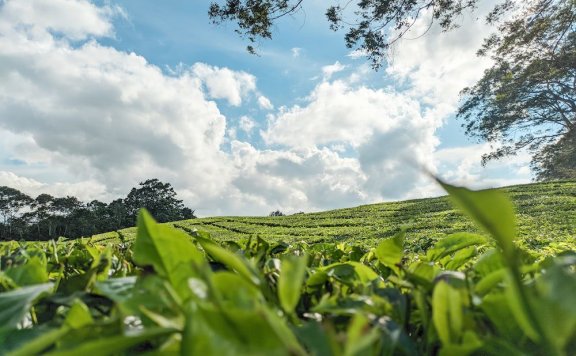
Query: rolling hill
(546,216)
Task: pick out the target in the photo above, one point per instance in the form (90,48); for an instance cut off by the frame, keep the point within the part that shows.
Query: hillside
(546,214)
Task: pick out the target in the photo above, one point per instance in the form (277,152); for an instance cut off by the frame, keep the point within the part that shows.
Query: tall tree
(42,214)
(63,210)
(159,199)
(527,99)
(12,201)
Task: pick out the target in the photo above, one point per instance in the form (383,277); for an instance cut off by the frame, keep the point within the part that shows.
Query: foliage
(545,222)
(12,202)
(376,26)
(177,293)
(276,213)
(48,217)
(557,160)
(527,99)
(158,198)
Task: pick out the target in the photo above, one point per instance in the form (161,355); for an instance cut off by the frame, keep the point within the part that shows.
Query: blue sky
(98,96)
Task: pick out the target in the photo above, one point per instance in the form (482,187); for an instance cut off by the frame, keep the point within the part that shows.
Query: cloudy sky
(98,96)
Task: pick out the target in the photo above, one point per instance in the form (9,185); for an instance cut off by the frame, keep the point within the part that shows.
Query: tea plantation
(546,214)
(408,278)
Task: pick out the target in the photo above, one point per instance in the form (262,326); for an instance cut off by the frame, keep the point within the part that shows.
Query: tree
(12,201)
(527,99)
(159,199)
(276,213)
(119,216)
(63,211)
(377,24)
(42,212)
(558,160)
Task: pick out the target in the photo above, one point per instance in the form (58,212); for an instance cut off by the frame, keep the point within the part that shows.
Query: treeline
(47,217)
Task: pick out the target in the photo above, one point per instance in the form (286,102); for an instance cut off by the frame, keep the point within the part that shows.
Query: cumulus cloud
(265,103)
(385,129)
(110,115)
(86,190)
(329,70)
(246,124)
(440,64)
(337,112)
(94,121)
(223,83)
(76,20)
(462,165)
(297,179)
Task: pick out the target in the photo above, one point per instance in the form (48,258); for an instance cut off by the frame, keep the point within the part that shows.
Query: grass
(545,214)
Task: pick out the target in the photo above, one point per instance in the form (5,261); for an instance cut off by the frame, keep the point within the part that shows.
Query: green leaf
(292,274)
(231,290)
(470,343)
(283,332)
(495,305)
(489,262)
(15,304)
(169,251)
(360,336)
(447,303)
(117,289)
(32,272)
(490,281)
(491,210)
(78,315)
(40,343)
(460,258)
(351,273)
(453,243)
(556,310)
(519,309)
(232,331)
(390,251)
(318,340)
(114,344)
(230,259)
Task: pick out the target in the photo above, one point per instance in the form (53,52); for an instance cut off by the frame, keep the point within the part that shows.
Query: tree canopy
(159,199)
(375,26)
(526,100)
(47,217)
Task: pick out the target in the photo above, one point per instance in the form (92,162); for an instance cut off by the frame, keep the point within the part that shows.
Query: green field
(347,282)
(546,214)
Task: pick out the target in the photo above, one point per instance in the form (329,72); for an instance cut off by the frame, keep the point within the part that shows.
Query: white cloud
(296,51)
(109,115)
(462,166)
(84,191)
(385,129)
(223,83)
(294,180)
(246,124)
(337,112)
(75,19)
(357,53)
(329,70)
(265,103)
(88,120)
(438,65)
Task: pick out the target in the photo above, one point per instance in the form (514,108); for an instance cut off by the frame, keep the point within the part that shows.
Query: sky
(97,96)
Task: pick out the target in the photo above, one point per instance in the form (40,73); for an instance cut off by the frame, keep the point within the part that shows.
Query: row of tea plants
(177,291)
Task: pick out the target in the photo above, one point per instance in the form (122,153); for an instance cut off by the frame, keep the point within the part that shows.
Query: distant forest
(46,217)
